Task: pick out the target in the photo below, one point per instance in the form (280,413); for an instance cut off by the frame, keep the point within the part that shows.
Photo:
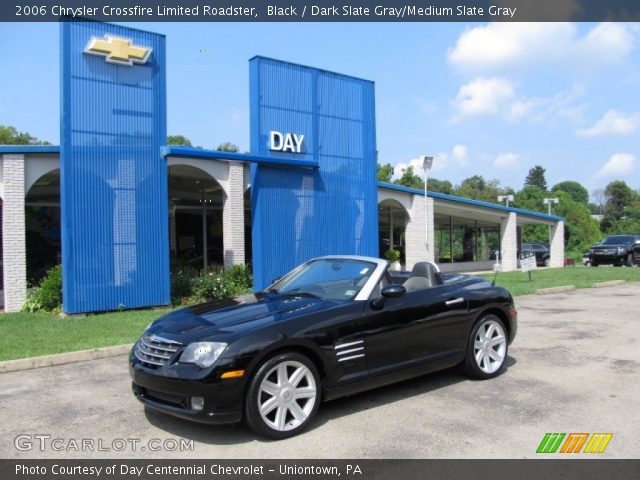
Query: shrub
(182,282)
(392,255)
(223,283)
(47,296)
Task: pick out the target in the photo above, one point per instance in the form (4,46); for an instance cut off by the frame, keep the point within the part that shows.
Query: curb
(563,288)
(63,358)
(610,283)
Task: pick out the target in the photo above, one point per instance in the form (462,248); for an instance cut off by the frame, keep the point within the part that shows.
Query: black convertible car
(334,326)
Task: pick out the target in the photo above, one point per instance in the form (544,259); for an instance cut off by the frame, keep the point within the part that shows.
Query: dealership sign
(285,142)
(118,50)
(528,261)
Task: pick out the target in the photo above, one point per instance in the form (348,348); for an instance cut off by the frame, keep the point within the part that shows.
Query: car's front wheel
(487,348)
(283,396)
(630,260)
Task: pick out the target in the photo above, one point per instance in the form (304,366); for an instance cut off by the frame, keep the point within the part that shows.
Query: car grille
(606,251)
(154,351)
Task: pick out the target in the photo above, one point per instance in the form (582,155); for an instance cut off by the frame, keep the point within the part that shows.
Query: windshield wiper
(296,293)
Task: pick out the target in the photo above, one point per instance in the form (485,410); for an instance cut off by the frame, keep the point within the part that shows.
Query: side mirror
(393,291)
(390,291)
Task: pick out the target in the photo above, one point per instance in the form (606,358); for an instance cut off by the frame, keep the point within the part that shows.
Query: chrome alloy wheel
(490,346)
(287,396)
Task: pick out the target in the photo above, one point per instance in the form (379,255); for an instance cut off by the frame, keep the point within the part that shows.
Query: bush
(182,282)
(222,283)
(47,296)
(392,255)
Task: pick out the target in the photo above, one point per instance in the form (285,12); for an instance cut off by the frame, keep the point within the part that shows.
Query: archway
(42,225)
(195,218)
(392,223)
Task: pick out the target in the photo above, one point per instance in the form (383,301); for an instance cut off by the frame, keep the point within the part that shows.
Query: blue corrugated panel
(113,178)
(300,214)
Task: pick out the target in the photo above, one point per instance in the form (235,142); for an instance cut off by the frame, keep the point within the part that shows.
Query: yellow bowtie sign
(118,50)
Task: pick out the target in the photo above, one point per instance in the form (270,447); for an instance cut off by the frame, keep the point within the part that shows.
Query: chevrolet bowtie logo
(118,50)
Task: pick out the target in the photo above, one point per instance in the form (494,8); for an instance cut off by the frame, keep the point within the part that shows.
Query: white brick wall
(556,244)
(233,217)
(416,248)
(509,243)
(13,233)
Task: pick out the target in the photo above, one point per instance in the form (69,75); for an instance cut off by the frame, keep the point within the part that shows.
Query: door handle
(454,301)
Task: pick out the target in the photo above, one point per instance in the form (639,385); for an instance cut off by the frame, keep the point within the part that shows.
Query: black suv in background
(614,250)
(542,252)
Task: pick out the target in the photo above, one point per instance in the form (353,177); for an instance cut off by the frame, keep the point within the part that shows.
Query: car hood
(224,319)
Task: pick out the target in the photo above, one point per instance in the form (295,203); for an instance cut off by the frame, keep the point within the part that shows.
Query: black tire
(252,416)
(470,365)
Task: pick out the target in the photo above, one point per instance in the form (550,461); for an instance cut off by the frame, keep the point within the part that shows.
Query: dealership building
(120,210)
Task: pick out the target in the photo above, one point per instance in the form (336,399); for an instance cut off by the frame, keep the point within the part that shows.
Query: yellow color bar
(232,374)
(598,442)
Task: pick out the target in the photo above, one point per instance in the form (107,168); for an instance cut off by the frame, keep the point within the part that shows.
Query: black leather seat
(423,275)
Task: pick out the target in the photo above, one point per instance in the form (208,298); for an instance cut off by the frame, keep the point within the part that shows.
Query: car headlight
(203,354)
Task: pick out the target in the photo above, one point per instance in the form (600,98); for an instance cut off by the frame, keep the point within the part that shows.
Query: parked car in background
(636,253)
(614,250)
(543,255)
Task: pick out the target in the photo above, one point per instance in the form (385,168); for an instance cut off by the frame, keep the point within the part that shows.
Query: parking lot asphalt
(574,367)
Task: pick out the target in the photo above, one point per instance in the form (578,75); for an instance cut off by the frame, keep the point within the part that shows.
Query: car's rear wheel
(487,348)
(283,396)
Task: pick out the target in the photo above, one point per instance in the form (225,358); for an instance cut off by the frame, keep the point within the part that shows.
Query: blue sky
(489,99)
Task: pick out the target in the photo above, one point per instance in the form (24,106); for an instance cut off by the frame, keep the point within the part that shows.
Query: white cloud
(618,165)
(613,122)
(496,96)
(507,161)
(457,158)
(482,96)
(503,45)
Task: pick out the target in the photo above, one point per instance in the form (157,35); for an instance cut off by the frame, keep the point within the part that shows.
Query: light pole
(549,201)
(427,163)
(506,199)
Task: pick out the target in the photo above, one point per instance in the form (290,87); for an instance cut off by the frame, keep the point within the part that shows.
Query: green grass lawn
(518,282)
(34,334)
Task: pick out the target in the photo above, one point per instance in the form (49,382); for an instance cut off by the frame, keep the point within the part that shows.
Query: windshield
(617,240)
(329,278)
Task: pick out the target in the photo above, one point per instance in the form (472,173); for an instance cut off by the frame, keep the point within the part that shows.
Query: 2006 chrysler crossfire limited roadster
(333,326)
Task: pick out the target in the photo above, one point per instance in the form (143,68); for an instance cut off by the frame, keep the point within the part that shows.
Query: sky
(489,99)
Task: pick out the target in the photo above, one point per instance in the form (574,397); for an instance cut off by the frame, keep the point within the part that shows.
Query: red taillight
(513,313)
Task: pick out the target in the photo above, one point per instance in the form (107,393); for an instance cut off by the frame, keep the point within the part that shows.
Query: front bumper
(608,259)
(223,399)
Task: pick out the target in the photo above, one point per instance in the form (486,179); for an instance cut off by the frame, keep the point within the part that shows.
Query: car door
(419,327)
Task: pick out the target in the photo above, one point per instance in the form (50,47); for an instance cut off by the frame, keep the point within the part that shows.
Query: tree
(536,178)
(618,196)
(410,179)
(577,192)
(385,172)
(440,186)
(228,147)
(477,188)
(178,140)
(10,136)
(581,230)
